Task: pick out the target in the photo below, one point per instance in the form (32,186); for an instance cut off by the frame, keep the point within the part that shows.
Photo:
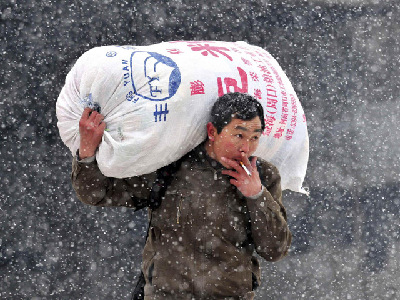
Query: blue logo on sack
(154,76)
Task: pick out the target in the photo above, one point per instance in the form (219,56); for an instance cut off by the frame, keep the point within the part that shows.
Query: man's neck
(210,155)
(209,149)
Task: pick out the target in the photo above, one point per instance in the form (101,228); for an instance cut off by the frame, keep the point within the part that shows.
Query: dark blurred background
(342,57)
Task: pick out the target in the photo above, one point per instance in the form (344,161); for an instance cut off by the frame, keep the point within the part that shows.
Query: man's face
(238,137)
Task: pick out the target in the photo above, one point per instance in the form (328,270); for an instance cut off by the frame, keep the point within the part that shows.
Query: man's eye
(239,135)
(255,138)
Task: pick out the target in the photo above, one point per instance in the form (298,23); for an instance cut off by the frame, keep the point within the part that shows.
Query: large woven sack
(156,101)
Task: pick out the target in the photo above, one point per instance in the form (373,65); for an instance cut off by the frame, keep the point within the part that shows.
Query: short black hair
(235,106)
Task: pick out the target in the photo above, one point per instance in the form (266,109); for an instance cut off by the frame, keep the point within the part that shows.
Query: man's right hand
(91,130)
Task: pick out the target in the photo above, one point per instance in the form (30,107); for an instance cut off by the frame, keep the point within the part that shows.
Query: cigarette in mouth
(244,168)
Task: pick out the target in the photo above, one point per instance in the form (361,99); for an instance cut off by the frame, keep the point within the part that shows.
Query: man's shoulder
(267,168)
(196,155)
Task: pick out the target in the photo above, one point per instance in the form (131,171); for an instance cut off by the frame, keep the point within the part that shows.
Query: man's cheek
(229,146)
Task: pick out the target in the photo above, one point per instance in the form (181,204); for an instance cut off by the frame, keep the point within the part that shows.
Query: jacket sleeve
(93,188)
(270,231)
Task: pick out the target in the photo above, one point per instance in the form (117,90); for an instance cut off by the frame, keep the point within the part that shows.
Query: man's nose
(245,147)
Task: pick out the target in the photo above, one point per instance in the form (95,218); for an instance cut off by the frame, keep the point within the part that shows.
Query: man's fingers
(102,127)
(234,182)
(98,119)
(230,173)
(85,114)
(244,158)
(254,162)
(246,161)
(232,163)
(93,115)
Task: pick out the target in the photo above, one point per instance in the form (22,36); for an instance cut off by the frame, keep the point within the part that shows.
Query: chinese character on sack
(174,51)
(271,105)
(246,61)
(213,50)
(269,124)
(267,78)
(252,54)
(197,87)
(263,68)
(279,132)
(293,121)
(232,83)
(289,134)
(257,94)
(284,119)
(267,131)
(159,112)
(254,76)
(270,120)
(258,60)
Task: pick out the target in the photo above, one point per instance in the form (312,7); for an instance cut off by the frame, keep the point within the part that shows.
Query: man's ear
(211,131)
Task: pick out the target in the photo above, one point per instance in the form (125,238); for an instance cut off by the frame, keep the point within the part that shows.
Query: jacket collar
(201,156)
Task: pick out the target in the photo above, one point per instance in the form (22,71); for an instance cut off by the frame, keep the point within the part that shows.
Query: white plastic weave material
(156,101)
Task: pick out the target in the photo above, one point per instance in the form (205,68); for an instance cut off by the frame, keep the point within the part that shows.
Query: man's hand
(91,130)
(248,185)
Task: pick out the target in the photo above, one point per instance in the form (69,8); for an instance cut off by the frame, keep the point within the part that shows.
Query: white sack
(156,101)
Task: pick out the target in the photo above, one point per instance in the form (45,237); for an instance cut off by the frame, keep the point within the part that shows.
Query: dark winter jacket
(203,237)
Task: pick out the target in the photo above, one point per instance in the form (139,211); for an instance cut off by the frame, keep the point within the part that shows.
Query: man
(221,207)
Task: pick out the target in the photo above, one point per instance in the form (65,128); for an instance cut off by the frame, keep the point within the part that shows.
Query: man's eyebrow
(245,129)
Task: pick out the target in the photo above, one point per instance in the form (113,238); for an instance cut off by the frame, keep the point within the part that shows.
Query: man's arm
(269,228)
(270,231)
(90,185)
(93,188)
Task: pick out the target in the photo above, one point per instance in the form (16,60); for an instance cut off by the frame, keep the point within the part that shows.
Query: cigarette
(244,168)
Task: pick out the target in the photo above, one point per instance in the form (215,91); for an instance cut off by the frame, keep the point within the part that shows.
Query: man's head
(235,105)
(237,122)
